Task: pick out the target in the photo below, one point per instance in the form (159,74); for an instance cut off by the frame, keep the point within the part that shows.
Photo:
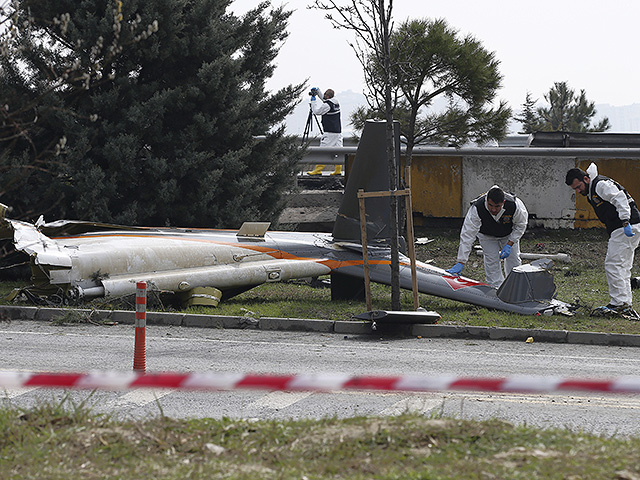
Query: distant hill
(624,119)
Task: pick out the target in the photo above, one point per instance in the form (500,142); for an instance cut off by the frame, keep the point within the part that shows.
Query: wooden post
(412,250)
(362,195)
(365,250)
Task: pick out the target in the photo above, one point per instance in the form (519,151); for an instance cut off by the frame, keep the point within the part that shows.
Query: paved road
(40,346)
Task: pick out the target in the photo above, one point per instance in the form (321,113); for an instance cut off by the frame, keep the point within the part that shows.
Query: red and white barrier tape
(112,380)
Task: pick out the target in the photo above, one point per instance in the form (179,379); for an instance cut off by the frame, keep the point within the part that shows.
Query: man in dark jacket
(498,220)
(617,210)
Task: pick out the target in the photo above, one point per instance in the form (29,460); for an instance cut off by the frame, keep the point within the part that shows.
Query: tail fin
(370,172)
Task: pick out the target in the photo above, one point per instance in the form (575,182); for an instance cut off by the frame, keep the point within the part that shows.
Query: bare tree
(371,22)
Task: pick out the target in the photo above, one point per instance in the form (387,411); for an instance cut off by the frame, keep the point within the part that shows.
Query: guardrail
(315,152)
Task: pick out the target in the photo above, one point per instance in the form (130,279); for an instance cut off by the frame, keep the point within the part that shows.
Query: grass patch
(63,441)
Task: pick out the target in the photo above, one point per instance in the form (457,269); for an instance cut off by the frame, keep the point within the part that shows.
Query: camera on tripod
(314,92)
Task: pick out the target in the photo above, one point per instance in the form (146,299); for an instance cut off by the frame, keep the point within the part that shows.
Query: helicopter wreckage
(86,260)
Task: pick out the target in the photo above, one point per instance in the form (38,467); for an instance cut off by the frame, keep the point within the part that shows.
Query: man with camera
(329,108)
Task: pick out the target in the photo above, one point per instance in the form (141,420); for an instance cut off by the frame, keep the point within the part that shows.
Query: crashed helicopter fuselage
(109,263)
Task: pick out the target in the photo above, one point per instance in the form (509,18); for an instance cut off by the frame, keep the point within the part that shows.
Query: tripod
(309,126)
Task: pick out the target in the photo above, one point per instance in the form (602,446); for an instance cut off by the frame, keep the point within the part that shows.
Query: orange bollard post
(139,354)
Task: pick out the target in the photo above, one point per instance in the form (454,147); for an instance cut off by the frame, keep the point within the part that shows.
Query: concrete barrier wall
(538,181)
(445,180)
(444,186)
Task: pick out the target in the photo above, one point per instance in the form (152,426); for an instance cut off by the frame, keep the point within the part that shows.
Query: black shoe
(601,312)
(624,310)
(627,312)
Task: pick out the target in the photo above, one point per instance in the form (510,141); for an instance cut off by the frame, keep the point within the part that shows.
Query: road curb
(345,327)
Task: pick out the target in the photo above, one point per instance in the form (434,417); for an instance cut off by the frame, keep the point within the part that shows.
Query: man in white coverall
(498,220)
(619,213)
(329,108)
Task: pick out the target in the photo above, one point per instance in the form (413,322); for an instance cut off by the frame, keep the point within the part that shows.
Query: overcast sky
(592,45)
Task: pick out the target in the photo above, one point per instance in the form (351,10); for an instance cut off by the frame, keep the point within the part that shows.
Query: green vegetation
(567,112)
(148,112)
(64,441)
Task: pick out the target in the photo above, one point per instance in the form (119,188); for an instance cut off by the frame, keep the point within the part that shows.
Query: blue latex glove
(506,251)
(627,230)
(456,269)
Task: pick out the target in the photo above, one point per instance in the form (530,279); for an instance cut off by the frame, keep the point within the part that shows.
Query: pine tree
(165,132)
(528,116)
(568,112)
